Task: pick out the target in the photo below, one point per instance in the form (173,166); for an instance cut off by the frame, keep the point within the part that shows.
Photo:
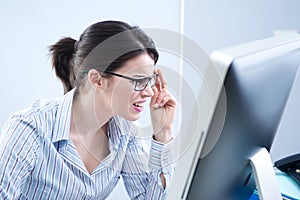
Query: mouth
(138,106)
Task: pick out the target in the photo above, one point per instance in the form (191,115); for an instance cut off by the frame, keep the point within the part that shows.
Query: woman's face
(125,101)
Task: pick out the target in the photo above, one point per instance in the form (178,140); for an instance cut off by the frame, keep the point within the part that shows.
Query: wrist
(164,136)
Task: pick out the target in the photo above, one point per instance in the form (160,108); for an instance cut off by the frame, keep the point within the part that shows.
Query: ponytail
(62,61)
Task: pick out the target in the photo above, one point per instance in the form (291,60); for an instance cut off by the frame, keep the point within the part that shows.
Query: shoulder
(40,107)
(31,118)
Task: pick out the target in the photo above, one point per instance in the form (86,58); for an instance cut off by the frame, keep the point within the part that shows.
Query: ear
(94,79)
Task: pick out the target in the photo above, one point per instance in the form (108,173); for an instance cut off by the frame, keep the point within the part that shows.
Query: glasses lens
(141,84)
(152,80)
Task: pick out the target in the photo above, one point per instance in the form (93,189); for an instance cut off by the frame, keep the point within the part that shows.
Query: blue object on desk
(289,188)
(254,196)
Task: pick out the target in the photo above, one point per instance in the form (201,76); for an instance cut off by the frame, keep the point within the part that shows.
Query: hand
(162,109)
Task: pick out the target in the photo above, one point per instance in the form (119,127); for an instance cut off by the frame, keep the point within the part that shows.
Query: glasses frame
(135,80)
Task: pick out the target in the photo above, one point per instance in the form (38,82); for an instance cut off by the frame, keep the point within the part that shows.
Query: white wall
(216,24)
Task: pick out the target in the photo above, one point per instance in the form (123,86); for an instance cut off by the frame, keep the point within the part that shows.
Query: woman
(77,146)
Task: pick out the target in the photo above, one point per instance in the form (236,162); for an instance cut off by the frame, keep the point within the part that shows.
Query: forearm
(164,137)
(154,182)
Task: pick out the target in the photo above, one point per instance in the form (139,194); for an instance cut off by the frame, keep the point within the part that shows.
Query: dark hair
(104,46)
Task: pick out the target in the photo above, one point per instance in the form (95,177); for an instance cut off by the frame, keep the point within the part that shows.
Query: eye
(142,81)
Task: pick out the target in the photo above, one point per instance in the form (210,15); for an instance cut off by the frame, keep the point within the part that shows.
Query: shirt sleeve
(17,156)
(141,170)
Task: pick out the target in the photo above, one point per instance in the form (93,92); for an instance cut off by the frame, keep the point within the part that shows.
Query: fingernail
(161,105)
(156,105)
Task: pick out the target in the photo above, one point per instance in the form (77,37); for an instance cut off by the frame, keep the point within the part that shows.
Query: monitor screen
(257,84)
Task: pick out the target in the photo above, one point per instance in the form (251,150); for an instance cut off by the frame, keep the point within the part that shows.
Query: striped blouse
(39,161)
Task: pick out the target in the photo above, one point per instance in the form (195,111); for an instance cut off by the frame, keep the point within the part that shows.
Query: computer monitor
(258,77)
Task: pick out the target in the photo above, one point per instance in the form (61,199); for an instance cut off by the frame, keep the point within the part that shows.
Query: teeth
(138,105)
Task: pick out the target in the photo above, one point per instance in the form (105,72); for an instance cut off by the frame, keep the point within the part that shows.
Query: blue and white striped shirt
(39,161)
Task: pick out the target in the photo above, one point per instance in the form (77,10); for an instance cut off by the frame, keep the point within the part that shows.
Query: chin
(130,116)
(134,118)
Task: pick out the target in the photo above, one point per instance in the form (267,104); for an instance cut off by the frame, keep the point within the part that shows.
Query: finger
(162,79)
(168,100)
(171,102)
(164,100)
(154,97)
(158,81)
(160,96)
(165,97)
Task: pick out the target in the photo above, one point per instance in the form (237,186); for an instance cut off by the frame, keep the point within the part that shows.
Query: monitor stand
(264,175)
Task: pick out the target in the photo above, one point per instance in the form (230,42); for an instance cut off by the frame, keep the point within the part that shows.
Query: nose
(148,92)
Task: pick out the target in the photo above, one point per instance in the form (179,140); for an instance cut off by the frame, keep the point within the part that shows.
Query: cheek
(122,96)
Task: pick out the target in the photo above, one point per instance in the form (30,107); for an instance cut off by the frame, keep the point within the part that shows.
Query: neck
(85,114)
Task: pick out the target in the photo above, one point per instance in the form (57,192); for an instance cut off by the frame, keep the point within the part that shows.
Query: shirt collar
(119,127)
(63,118)
(114,131)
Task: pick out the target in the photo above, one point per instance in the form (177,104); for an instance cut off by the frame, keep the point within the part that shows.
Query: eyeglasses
(139,83)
